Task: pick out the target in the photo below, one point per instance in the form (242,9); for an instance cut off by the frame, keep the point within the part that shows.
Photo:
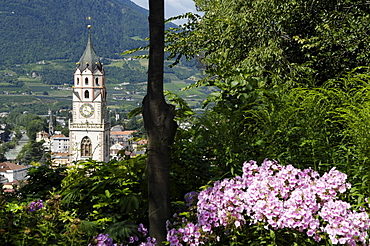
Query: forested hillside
(49,29)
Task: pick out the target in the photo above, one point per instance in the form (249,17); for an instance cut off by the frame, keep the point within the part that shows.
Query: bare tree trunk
(160,127)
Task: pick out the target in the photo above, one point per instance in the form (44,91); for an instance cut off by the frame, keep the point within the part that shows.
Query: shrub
(273,204)
(39,223)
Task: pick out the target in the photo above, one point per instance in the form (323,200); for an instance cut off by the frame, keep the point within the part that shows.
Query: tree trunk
(160,127)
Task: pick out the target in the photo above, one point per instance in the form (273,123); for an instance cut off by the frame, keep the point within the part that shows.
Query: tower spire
(89,59)
(51,125)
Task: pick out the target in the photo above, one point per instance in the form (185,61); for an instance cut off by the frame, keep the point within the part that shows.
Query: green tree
(286,41)
(2,157)
(42,180)
(112,197)
(133,123)
(32,152)
(320,128)
(255,52)
(35,126)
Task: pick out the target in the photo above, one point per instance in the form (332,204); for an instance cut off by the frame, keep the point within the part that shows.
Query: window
(87,94)
(86,147)
(78,81)
(86,81)
(96,81)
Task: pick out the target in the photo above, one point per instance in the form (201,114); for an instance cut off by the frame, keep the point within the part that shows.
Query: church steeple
(89,59)
(51,125)
(89,128)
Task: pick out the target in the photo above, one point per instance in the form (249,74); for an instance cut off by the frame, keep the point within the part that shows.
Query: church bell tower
(89,128)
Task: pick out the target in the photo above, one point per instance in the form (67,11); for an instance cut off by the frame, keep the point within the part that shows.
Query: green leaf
(107,194)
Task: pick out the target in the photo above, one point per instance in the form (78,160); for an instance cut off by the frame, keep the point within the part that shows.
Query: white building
(59,144)
(13,171)
(44,136)
(121,136)
(89,128)
(58,159)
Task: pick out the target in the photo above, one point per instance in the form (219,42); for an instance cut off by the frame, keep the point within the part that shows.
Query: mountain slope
(49,29)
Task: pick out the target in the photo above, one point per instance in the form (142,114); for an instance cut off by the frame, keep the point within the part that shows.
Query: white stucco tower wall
(89,128)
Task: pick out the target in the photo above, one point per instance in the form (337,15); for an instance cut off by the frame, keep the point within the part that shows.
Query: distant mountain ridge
(49,29)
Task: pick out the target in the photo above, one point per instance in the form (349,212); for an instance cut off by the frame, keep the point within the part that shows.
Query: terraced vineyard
(48,85)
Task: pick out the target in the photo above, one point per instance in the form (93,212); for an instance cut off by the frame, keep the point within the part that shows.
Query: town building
(59,143)
(89,128)
(4,114)
(12,172)
(122,137)
(44,136)
(59,158)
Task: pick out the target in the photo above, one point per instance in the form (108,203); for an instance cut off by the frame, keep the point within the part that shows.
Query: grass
(144,62)
(118,63)
(28,80)
(4,84)
(137,38)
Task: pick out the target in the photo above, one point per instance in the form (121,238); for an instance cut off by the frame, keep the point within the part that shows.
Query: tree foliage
(286,41)
(88,198)
(307,127)
(111,196)
(31,152)
(39,223)
(43,179)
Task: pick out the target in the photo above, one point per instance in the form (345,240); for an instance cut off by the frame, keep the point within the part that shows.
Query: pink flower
(280,197)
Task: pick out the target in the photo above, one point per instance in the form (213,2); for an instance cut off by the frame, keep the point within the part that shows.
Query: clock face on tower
(86,110)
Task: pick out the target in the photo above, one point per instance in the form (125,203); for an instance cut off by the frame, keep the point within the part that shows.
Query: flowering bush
(277,198)
(36,206)
(39,223)
(102,240)
(141,239)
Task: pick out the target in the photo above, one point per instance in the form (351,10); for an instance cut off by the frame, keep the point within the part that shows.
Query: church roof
(89,59)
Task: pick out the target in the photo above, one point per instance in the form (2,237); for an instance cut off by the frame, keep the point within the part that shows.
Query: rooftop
(123,133)
(58,136)
(5,166)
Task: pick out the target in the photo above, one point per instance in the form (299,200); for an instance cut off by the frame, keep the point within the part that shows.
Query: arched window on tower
(78,81)
(96,81)
(86,147)
(86,81)
(86,94)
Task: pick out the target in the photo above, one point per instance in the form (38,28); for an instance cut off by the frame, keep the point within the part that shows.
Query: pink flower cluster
(280,197)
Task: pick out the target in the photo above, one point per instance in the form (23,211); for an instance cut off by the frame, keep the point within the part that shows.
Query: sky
(172,7)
